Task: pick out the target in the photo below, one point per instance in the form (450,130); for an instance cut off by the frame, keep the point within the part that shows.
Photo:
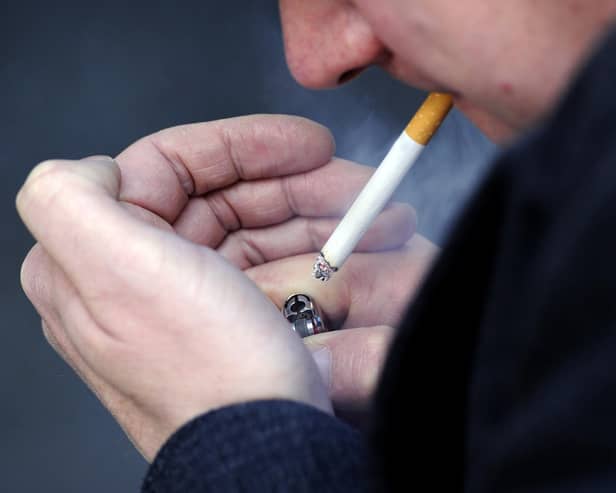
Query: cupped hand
(271,222)
(365,300)
(138,277)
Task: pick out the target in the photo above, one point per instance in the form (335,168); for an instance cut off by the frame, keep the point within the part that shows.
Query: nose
(327,42)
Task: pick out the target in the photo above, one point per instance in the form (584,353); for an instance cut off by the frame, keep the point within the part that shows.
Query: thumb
(350,362)
(72,209)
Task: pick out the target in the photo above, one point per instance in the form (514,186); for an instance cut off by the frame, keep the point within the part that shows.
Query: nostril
(349,75)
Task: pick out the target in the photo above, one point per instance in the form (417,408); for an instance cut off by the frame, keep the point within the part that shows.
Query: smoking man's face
(475,49)
(329,41)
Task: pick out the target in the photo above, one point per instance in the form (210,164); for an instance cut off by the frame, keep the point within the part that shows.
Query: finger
(137,211)
(71,208)
(38,285)
(370,289)
(52,295)
(327,191)
(249,247)
(146,216)
(63,314)
(46,287)
(160,172)
(350,362)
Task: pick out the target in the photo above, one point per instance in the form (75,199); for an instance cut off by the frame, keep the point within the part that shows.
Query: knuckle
(376,344)
(408,210)
(50,336)
(136,266)
(412,217)
(314,233)
(45,173)
(250,251)
(371,359)
(293,187)
(223,211)
(34,280)
(406,218)
(43,182)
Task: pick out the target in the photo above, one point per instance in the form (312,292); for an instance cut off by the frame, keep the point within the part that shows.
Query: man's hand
(366,298)
(138,270)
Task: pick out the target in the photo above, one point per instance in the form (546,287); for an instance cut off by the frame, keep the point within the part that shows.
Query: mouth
(415,77)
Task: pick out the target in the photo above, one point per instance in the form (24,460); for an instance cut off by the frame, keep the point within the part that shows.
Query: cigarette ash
(321,269)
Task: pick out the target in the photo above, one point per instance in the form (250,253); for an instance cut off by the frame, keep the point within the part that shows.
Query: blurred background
(78,79)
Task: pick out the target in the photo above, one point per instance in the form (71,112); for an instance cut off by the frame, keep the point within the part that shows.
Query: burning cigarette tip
(322,270)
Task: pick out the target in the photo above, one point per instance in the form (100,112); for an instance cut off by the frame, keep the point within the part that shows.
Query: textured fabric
(503,375)
(275,446)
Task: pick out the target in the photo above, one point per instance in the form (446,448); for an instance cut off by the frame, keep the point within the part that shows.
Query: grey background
(85,78)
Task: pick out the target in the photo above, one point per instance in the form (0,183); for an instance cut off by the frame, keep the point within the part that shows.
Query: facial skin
(506,63)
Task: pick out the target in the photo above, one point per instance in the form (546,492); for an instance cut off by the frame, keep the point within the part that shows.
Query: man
(501,376)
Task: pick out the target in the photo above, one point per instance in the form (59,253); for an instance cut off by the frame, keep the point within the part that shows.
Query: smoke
(366,116)
(446,175)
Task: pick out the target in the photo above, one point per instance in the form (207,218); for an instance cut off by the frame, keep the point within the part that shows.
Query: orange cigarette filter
(429,117)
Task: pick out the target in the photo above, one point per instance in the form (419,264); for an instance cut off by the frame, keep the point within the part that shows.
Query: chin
(492,126)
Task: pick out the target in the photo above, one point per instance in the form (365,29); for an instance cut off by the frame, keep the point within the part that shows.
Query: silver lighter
(303,315)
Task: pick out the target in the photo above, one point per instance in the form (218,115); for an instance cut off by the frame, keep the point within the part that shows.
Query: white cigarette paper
(372,199)
(382,185)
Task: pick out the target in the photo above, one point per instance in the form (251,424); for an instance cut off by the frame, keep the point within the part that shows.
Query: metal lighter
(303,315)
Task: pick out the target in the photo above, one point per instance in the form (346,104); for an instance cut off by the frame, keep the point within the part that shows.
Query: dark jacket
(502,377)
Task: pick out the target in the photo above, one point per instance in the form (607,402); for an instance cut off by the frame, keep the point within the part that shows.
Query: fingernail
(97,157)
(323,359)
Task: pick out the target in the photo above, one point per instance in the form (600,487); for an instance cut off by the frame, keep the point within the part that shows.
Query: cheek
(400,26)
(430,32)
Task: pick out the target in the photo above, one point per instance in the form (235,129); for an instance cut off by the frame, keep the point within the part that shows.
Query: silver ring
(303,315)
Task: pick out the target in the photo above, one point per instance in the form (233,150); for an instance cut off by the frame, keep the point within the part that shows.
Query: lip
(413,77)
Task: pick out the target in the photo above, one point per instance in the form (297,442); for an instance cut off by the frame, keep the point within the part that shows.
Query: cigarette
(382,185)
